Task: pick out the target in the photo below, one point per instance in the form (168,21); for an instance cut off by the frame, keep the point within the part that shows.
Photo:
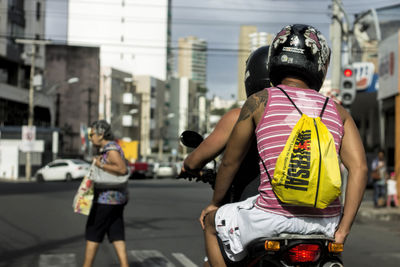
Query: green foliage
(219,111)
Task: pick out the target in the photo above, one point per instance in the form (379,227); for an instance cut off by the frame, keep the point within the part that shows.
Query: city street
(38,227)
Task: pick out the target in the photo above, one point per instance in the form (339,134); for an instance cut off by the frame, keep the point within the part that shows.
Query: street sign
(28,138)
(364,72)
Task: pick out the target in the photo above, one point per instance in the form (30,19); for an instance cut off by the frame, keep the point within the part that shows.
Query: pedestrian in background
(392,190)
(106,215)
(379,173)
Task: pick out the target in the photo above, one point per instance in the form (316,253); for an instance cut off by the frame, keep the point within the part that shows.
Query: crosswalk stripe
(184,260)
(57,260)
(152,258)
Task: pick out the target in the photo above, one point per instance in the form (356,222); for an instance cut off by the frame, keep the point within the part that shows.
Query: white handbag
(103,179)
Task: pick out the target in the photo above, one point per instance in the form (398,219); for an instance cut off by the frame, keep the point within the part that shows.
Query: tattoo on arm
(252,104)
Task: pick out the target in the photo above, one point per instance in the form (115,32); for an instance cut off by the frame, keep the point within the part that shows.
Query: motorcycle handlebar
(205,176)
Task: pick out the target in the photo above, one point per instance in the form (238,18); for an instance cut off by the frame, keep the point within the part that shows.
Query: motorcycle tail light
(272,245)
(304,253)
(335,247)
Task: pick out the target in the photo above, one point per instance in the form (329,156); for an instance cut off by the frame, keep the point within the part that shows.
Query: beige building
(249,40)
(136,106)
(153,112)
(187,111)
(192,59)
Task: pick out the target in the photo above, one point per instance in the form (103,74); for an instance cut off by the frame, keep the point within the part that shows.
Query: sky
(218,22)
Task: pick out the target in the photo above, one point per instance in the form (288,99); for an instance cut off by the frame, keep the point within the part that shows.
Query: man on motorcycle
(298,61)
(256,79)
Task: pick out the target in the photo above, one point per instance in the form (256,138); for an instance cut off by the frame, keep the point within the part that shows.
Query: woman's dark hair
(101,127)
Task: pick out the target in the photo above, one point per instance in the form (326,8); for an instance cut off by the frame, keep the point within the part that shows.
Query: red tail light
(303,253)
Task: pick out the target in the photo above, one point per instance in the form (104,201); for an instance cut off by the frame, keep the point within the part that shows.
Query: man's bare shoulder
(344,114)
(253,103)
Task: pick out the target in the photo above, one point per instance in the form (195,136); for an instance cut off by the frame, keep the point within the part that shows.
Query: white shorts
(235,231)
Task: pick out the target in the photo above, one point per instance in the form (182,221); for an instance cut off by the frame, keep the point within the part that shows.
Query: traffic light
(348,88)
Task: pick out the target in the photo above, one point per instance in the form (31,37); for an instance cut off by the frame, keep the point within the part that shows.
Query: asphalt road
(39,229)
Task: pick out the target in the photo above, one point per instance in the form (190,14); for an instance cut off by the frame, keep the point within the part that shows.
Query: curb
(19,180)
(367,213)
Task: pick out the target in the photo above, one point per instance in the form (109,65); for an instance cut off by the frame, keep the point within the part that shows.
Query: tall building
(249,40)
(118,103)
(182,111)
(192,59)
(258,39)
(76,104)
(244,52)
(132,37)
(22,19)
(154,110)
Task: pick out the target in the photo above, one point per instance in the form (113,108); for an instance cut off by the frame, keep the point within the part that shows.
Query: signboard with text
(28,138)
(389,67)
(364,75)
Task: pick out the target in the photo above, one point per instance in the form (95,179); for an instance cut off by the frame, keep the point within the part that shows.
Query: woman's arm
(115,164)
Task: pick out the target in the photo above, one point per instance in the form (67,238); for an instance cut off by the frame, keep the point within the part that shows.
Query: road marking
(151,258)
(57,260)
(184,260)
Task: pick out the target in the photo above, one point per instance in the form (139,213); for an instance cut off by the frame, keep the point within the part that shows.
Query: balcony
(14,51)
(127,98)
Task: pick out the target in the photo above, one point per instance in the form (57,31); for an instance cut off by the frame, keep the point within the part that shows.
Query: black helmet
(256,75)
(299,51)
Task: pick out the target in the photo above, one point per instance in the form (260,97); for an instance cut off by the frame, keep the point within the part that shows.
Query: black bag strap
(283,91)
(301,113)
(269,177)
(323,108)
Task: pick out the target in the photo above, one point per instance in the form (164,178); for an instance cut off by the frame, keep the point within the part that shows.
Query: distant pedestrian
(392,190)
(106,216)
(379,173)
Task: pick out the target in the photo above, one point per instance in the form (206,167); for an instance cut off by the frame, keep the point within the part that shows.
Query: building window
(122,20)
(122,38)
(37,47)
(38,10)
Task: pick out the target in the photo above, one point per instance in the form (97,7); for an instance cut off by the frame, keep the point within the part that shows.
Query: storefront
(389,100)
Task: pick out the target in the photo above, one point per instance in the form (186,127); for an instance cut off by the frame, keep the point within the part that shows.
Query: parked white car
(164,169)
(63,170)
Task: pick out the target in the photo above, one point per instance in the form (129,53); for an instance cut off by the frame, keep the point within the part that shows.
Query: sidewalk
(19,180)
(368,212)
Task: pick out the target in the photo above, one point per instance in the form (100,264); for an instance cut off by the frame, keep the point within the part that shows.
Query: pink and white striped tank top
(273,130)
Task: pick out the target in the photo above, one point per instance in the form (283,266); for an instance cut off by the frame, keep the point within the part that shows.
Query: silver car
(164,169)
(63,170)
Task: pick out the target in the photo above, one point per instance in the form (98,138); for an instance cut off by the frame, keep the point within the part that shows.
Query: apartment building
(249,40)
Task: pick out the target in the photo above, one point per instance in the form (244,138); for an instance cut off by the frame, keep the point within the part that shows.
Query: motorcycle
(285,250)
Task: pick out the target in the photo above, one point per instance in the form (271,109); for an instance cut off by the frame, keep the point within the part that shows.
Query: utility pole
(163,127)
(89,102)
(33,43)
(336,39)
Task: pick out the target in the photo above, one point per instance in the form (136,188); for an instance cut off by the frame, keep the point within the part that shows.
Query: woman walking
(106,215)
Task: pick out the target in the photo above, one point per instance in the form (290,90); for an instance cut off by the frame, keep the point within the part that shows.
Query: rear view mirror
(191,139)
